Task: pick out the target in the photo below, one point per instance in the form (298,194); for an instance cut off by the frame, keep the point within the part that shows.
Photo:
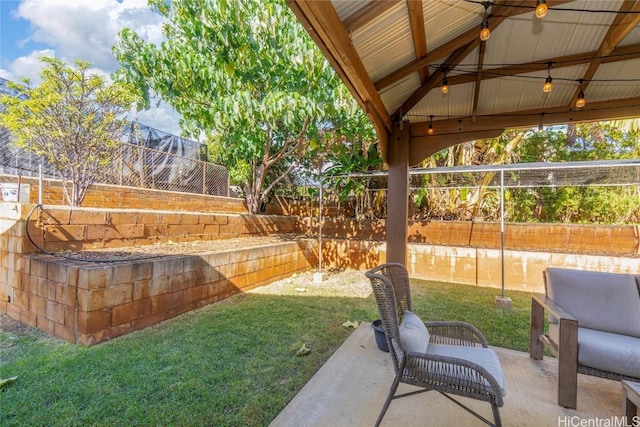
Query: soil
(7,324)
(173,248)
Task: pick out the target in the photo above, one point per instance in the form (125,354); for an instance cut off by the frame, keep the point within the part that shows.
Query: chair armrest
(440,373)
(455,333)
(552,308)
(566,350)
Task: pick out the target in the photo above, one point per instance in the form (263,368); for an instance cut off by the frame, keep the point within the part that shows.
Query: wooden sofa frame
(566,350)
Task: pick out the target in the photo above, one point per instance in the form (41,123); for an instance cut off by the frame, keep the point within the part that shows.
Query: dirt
(15,328)
(347,283)
(173,248)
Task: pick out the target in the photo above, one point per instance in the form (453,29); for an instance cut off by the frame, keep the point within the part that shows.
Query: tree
(73,118)
(587,203)
(245,74)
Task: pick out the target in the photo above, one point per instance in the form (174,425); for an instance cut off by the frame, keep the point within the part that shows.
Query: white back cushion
(602,301)
(414,335)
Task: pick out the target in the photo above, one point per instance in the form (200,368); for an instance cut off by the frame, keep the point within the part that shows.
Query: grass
(228,364)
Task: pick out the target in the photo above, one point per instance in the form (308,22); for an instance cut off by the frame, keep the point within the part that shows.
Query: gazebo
(434,73)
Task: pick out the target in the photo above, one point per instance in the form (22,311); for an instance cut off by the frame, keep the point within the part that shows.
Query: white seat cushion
(606,351)
(485,357)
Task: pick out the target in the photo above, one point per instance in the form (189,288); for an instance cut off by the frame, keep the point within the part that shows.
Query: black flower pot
(381,339)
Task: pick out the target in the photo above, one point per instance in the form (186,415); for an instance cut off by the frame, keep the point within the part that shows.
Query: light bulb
(485,33)
(430,130)
(541,9)
(445,86)
(580,102)
(546,88)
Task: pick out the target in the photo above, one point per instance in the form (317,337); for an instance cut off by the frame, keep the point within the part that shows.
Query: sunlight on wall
(10,214)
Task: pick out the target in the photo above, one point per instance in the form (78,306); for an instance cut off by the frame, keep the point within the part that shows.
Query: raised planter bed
(90,302)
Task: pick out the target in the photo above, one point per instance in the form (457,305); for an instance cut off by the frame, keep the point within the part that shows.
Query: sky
(76,29)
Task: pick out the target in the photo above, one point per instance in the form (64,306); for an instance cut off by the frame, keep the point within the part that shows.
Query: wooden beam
(622,25)
(422,147)
(593,111)
(367,13)
(622,53)
(504,10)
(322,22)
(476,88)
(436,78)
(416,19)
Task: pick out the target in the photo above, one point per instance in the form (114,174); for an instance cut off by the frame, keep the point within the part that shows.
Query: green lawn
(229,364)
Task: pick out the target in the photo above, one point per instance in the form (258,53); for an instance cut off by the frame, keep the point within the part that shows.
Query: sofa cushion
(606,351)
(485,357)
(602,301)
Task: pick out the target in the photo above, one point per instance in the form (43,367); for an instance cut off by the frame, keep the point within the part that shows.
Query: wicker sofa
(594,326)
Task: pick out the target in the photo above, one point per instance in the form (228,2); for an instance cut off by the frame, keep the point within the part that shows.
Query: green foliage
(578,204)
(73,118)
(247,75)
(346,158)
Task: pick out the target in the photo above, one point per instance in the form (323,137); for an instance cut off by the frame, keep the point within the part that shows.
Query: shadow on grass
(228,364)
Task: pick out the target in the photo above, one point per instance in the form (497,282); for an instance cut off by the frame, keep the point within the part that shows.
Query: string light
(561,9)
(548,83)
(445,84)
(580,102)
(430,129)
(541,9)
(485,33)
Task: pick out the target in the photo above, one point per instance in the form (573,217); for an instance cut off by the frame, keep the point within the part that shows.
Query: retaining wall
(89,303)
(118,196)
(473,266)
(591,239)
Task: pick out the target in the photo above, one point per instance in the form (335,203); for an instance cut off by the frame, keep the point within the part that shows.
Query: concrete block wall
(286,206)
(118,196)
(89,303)
(573,238)
(473,266)
(64,228)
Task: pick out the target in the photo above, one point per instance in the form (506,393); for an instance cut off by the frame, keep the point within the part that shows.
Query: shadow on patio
(350,388)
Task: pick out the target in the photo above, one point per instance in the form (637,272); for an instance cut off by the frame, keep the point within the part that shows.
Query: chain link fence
(606,191)
(135,166)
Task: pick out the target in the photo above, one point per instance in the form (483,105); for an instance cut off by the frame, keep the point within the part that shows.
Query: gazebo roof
(395,55)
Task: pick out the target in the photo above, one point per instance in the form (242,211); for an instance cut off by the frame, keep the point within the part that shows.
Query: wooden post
(536,348)
(398,194)
(568,364)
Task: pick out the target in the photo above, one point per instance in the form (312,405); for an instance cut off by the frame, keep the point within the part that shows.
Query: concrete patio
(350,388)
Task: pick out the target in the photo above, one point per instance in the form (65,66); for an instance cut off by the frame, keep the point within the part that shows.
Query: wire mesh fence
(590,191)
(135,166)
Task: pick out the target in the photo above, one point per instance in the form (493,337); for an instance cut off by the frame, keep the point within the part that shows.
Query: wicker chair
(457,360)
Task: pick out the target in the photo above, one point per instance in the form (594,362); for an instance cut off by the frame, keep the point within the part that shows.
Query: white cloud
(79,29)
(161,117)
(26,67)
